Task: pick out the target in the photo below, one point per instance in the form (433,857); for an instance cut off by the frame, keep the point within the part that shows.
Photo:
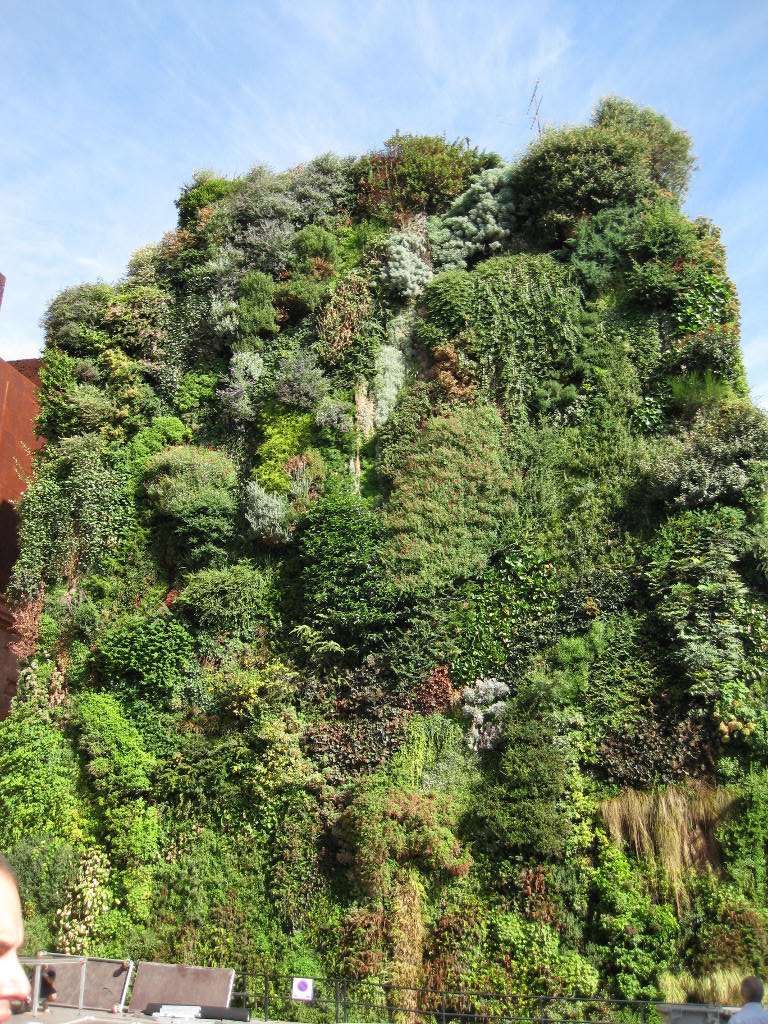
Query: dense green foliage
(393,586)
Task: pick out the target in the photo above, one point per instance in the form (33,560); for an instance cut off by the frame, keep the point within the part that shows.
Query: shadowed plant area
(393,589)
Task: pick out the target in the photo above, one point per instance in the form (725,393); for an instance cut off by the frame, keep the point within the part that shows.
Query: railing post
(81,996)
(344,999)
(643,1009)
(442,1008)
(336,998)
(36,987)
(266,996)
(541,1009)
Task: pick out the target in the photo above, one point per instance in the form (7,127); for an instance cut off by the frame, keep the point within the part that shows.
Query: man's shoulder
(750,1013)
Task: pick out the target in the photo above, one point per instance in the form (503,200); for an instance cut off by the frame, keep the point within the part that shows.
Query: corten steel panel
(9,550)
(104,983)
(18,409)
(29,368)
(172,983)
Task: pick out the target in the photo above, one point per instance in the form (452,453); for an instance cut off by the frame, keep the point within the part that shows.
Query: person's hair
(752,989)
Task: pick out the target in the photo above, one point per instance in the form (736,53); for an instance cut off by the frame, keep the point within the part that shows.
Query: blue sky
(107,107)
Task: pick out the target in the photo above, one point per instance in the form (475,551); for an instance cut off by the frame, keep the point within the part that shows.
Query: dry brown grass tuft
(26,623)
(673,827)
(407,937)
(721,987)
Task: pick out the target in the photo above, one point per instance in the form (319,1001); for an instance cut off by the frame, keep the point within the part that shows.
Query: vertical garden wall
(393,586)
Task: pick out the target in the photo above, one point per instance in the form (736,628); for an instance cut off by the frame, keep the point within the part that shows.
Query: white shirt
(750,1013)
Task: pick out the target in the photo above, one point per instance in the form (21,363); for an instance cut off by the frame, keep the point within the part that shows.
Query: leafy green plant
(204,190)
(667,149)
(415,173)
(523,805)
(193,495)
(256,311)
(695,586)
(194,392)
(74,321)
(57,382)
(139,318)
(515,322)
(74,515)
(86,901)
(42,782)
(450,495)
(116,760)
(286,433)
(570,173)
(144,656)
(386,831)
(347,328)
(342,581)
(313,243)
(719,458)
(235,600)
(637,938)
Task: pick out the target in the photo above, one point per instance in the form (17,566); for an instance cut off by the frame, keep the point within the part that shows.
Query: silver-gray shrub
(336,413)
(224,320)
(299,380)
(92,406)
(479,224)
(484,705)
(405,270)
(143,266)
(387,382)
(257,222)
(392,361)
(715,460)
(268,515)
(322,188)
(203,317)
(244,386)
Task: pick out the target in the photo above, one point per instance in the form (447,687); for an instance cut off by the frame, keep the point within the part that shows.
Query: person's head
(14,985)
(752,990)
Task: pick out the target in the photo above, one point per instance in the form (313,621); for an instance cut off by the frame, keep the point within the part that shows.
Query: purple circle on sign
(303,986)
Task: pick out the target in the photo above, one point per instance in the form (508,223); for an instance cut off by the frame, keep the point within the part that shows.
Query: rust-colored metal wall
(18,409)
(29,368)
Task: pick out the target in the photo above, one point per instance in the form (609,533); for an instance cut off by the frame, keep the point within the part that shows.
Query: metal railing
(343,1001)
(37,964)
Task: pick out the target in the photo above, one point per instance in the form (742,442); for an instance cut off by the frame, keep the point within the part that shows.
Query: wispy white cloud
(108,108)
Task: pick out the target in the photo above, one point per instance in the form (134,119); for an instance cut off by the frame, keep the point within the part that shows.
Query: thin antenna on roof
(534,106)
